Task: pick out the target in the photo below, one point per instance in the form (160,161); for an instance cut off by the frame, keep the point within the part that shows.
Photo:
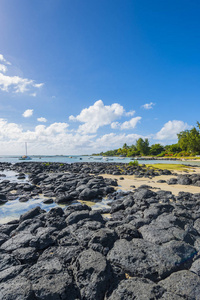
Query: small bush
(133,163)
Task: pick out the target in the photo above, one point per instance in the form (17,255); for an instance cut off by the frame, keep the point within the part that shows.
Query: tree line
(188,145)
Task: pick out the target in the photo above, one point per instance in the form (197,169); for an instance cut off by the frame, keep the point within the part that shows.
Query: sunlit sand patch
(130,180)
(88,203)
(13,192)
(106,216)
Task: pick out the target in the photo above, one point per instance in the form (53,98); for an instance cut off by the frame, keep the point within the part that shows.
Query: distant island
(188,145)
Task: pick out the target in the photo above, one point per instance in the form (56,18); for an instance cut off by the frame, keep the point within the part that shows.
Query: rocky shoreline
(147,249)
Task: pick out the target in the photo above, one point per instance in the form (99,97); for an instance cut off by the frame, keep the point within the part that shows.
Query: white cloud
(127,124)
(2,59)
(28,113)
(3,68)
(130,113)
(98,115)
(170,129)
(115,125)
(148,105)
(33,94)
(53,139)
(9,130)
(130,124)
(42,119)
(56,139)
(15,83)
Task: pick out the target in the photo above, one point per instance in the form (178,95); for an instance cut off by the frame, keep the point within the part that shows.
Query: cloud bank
(62,138)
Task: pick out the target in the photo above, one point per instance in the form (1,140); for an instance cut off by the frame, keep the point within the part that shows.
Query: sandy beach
(131,180)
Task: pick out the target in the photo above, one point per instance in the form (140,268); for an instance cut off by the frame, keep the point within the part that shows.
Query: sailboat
(25,157)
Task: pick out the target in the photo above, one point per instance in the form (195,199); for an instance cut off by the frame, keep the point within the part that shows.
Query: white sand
(132,180)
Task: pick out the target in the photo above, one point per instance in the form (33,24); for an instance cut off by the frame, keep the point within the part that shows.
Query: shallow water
(87,158)
(12,209)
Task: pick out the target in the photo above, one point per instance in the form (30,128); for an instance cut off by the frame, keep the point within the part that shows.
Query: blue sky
(78,77)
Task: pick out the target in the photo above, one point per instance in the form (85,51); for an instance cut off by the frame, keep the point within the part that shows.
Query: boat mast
(26,147)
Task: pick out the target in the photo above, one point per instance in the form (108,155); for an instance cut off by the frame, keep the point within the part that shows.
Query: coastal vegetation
(188,145)
(171,167)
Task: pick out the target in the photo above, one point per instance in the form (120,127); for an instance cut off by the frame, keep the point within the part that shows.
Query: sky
(81,77)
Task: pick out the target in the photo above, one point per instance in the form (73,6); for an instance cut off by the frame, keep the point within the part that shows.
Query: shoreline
(148,248)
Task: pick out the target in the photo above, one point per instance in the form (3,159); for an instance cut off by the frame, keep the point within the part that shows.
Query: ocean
(89,158)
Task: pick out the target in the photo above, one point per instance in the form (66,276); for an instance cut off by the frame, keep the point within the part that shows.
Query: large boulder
(137,289)
(92,274)
(144,259)
(183,283)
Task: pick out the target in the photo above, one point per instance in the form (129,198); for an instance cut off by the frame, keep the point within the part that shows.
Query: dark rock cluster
(65,183)
(63,187)
(186,179)
(97,168)
(148,249)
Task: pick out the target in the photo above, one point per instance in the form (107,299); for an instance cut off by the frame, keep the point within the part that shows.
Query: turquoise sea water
(85,158)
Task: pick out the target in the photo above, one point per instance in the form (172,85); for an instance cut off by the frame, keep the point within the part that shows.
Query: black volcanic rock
(146,248)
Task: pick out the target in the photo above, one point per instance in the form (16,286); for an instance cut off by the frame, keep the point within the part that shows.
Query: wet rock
(161,181)
(18,241)
(103,238)
(17,288)
(65,254)
(11,272)
(55,218)
(63,198)
(184,180)
(73,208)
(3,201)
(127,232)
(23,199)
(26,255)
(137,289)
(172,181)
(47,201)
(7,228)
(88,194)
(143,193)
(77,216)
(92,274)
(195,268)
(7,261)
(141,258)
(43,238)
(183,283)
(2,196)
(31,213)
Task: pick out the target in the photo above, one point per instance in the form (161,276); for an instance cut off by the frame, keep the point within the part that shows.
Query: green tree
(189,140)
(143,146)
(174,148)
(156,149)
